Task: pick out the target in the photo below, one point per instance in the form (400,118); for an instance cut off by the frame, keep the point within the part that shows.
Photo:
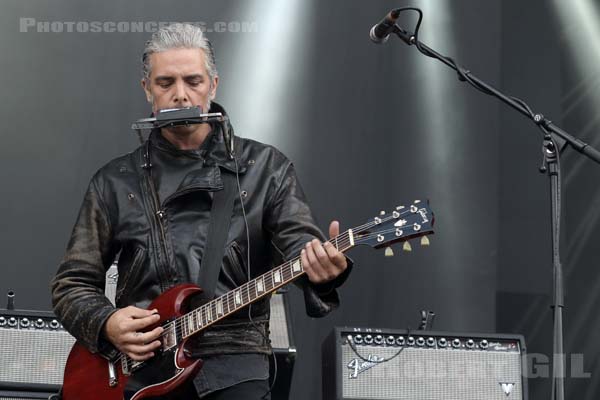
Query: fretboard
(251,291)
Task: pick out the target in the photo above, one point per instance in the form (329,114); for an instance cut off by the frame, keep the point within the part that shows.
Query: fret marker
(260,286)
(219,307)
(277,276)
(238,298)
(190,324)
(296,266)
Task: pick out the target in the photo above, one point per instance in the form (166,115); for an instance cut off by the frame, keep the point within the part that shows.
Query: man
(156,218)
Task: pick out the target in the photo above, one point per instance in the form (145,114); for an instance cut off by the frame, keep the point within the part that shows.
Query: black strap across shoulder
(220,220)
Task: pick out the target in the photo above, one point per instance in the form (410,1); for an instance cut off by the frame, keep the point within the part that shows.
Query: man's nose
(180,93)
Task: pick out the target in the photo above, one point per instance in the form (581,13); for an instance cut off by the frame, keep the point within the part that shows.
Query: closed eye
(164,82)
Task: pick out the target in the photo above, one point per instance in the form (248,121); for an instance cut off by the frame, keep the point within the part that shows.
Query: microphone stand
(555,140)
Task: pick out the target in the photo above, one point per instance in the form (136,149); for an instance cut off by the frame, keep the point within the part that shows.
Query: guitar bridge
(113,380)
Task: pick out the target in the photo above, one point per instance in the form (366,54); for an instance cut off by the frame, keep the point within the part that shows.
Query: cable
(254,324)
(463,74)
(355,350)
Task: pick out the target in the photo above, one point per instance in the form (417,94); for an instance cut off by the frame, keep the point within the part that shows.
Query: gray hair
(177,36)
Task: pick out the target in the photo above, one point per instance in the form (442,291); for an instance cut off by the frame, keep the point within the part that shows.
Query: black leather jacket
(119,214)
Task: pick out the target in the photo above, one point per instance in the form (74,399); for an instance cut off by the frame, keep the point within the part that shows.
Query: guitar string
(212,307)
(249,286)
(203,311)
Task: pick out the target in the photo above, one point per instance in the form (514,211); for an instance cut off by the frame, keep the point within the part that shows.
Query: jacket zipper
(159,214)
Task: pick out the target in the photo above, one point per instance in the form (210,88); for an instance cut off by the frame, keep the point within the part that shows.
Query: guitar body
(87,375)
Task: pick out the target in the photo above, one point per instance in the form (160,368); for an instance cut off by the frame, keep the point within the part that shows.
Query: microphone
(380,32)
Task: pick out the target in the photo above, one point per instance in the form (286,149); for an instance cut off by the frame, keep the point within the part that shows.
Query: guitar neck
(251,291)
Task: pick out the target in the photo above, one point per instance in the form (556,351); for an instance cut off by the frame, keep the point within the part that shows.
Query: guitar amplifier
(34,348)
(368,363)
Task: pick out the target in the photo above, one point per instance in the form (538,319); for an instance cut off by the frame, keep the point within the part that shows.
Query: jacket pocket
(132,272)
(237,262)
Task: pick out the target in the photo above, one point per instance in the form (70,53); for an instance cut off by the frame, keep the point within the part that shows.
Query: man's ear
(146,87)
(213,90)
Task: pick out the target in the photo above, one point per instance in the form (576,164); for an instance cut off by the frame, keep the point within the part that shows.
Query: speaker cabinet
(283,345)
(34,349)
(369,363)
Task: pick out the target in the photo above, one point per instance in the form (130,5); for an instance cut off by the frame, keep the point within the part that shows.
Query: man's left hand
(323,262)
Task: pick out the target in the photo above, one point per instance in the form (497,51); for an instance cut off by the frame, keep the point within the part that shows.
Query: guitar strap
(220,220)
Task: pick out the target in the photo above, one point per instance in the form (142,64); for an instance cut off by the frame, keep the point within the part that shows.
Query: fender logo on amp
(358,365)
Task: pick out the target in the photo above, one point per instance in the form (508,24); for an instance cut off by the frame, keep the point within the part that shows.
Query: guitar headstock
(399,225)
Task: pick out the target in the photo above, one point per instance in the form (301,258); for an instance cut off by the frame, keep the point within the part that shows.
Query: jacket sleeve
(78,286)
(291,223)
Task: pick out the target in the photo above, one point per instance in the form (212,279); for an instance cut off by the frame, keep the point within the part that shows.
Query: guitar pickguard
(157,371)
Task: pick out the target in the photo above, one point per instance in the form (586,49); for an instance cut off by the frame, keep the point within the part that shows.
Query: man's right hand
(124,330)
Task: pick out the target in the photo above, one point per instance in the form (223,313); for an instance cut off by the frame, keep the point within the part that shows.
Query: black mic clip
(427,318)
(182,117)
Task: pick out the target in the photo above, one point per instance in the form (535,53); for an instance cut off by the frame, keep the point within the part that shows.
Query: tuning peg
(381,212)
(407,246)
(389,252)
(424,241)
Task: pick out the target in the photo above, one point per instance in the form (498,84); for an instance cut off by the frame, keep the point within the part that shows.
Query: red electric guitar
(91,377)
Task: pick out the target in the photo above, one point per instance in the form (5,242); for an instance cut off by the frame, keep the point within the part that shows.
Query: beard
(183,131)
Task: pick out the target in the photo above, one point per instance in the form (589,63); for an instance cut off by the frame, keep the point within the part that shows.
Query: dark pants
(250,390)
